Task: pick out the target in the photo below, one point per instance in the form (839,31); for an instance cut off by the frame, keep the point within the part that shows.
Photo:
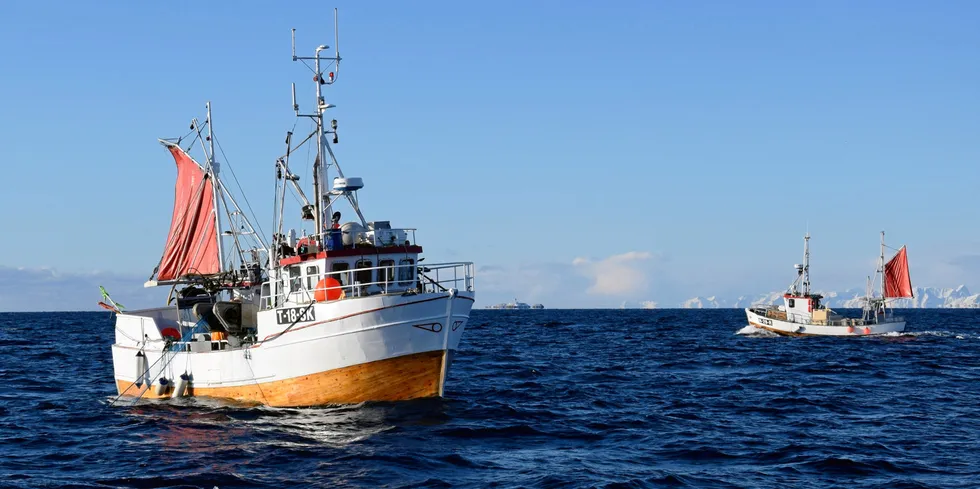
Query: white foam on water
(750,330)
(938,334)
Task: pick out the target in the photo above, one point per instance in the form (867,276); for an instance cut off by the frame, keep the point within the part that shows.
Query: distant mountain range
(925,297)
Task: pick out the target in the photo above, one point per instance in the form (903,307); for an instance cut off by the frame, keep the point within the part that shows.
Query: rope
(168,349)
(200,322)
(148,383)
(247,204)
(248,363)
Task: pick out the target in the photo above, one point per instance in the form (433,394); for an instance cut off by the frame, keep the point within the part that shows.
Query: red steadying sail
(897,280)
(192,244)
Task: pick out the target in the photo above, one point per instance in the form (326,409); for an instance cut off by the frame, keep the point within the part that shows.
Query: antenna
(294,44)
(295,105)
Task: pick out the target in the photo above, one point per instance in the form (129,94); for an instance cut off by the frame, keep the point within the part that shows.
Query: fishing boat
(802,314)
(343,313)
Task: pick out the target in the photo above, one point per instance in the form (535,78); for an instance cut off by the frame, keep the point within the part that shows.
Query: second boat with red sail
(802,314)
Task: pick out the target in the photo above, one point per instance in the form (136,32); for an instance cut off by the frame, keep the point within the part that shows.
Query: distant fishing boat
(343,314)
(515,305)
(802,314)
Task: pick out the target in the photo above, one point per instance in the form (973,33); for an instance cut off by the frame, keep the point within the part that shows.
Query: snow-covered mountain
(639,305)
(925,297)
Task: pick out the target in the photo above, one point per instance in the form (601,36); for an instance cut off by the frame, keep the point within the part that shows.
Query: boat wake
(753,331)
(936,334)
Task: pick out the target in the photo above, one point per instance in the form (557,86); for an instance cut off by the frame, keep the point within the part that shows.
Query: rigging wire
(247,204)
(306,170)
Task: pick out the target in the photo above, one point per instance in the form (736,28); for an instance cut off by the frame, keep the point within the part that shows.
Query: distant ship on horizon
(515,305)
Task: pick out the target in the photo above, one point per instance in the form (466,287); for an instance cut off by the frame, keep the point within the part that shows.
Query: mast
(322,206)
(215,191)
(318,167)
(881,262)
(806,265)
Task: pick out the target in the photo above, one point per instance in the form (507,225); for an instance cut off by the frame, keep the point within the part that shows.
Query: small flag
(108,303)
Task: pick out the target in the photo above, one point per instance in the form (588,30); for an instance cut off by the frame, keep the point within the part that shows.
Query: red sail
(192,244)
(897,280)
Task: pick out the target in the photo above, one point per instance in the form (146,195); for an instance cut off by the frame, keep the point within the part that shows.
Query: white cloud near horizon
(582,283)
(618,275)
(47,289)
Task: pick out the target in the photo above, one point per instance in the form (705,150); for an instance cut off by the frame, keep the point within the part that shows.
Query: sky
(582,155)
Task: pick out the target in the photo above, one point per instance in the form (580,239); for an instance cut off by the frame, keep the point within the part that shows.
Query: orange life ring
(850,329)
(171,333)
(867,330)
(328,289)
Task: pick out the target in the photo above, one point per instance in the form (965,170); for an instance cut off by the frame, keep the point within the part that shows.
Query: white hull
(790,328)
(294,363)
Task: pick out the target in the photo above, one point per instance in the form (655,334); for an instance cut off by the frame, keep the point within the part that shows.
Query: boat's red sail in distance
(192,244)
(897,280)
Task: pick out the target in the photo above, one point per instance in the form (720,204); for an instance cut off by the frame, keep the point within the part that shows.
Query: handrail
(802,319)
(428,278)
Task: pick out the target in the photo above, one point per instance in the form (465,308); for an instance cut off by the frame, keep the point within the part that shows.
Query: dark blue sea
(595,398)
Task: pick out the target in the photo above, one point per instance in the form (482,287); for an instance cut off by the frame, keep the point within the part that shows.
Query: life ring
(867,330)
(850,329)
(170,333)
(327,290)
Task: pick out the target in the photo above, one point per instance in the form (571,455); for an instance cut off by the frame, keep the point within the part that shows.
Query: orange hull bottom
(394,379)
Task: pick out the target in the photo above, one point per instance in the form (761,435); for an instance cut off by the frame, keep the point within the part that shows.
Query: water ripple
(604,399)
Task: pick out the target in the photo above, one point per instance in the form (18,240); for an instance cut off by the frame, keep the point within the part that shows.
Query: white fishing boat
(342,314)
(802,314)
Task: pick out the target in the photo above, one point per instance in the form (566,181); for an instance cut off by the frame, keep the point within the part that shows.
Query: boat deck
(772,313)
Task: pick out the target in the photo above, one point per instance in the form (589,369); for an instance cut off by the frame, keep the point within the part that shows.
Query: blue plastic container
(335,240)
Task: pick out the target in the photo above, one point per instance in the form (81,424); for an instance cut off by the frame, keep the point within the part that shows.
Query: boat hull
(376,348)
(789,328)
(394,379)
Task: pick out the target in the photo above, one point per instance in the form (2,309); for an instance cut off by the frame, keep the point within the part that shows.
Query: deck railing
(384,279)
(804,319)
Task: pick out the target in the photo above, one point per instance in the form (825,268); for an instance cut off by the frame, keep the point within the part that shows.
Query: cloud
(47,289)
(617,275)
(542,282)
(490,269)
(969,263)
(582,283)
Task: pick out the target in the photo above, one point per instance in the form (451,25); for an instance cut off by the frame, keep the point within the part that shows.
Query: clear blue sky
(702,137)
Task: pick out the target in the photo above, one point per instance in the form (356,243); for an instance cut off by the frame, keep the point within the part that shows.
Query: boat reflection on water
(202,425)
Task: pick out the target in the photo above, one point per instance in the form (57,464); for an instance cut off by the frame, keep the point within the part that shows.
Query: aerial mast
(215,190)
(806,265)
(322,207)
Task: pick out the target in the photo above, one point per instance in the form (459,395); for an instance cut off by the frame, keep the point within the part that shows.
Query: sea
(537,399)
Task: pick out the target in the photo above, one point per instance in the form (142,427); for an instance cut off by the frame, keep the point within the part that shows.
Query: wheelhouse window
(295,281)
(363,276)
(265,299)
(406,271)
(312,277)
(386,273)
(337,272)
(792,303)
